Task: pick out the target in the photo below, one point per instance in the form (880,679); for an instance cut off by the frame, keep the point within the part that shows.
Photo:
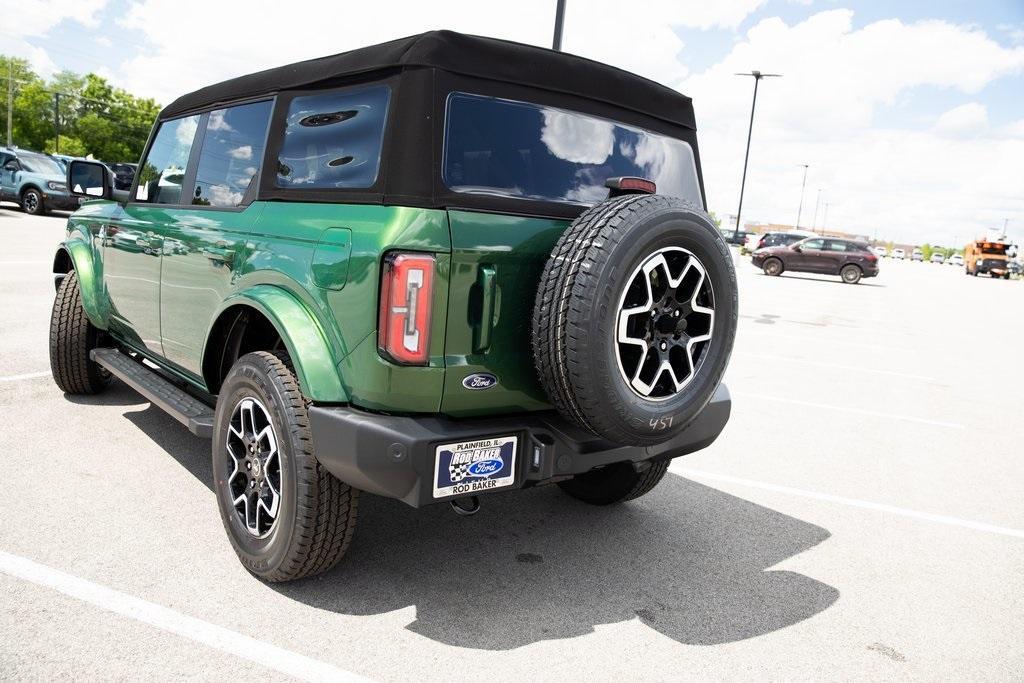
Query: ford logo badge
(480,380)
(483,468)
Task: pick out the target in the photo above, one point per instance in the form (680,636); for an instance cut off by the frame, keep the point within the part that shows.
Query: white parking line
(855,411)
(30,375)
(834,366)
(853,502)
(233,643)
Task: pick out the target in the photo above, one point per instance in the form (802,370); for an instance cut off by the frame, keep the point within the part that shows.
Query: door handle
(487,285)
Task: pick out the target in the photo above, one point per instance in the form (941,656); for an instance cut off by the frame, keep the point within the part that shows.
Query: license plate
(471,467)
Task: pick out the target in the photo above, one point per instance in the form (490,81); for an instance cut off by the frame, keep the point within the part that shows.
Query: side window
(333,139)
(834,245)
(163,172)
(231,153)
(813,244)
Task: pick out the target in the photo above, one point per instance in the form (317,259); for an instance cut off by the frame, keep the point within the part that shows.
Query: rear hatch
(496,264)
(527,156)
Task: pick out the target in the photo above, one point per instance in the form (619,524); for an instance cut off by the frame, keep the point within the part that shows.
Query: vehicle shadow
(689,561)
(862,283)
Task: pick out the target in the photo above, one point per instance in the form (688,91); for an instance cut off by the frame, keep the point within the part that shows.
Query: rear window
(516,149)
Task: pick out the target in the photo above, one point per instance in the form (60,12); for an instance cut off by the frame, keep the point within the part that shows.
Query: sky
(909,115)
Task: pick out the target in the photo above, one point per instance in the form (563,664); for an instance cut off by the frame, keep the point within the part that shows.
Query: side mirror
(12,165)
(797,247)
(90,179)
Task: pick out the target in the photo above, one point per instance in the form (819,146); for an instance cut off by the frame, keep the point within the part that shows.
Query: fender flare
(79,253)
(303,337)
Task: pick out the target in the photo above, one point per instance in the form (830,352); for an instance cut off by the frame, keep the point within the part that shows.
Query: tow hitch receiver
(467,507)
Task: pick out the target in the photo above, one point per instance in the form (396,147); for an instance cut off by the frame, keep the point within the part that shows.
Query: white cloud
(642,41)
(35,18)
(967,118)
(826,111)
(244,152)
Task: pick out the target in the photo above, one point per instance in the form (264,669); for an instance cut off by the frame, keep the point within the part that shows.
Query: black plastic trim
(393,456)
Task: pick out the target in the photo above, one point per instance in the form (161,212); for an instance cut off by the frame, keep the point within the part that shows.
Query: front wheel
(772,266)
(851,274)
(72,337)
(615,483)
(32,202)
(285,515)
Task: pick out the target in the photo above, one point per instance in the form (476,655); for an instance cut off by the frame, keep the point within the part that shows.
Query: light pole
(556,42)
(801,207)
(824,220)
(817,203)
(10,97)
(757,75)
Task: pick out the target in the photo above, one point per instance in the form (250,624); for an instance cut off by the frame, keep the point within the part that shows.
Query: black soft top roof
(488,58)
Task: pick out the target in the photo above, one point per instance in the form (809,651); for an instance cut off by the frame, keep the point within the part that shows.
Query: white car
(899,253)
(880,252)
(938,257)
(917,255)
(956,260)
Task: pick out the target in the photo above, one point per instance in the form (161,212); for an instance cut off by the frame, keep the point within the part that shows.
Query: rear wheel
(615,483)
(72,337)
(772,266)
(32,202)
(285,515)
(851,274)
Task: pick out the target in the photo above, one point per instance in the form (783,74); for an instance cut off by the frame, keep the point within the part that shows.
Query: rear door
(204,240)
(133,236)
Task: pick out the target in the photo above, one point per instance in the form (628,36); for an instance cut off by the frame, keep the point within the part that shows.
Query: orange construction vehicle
(987,256)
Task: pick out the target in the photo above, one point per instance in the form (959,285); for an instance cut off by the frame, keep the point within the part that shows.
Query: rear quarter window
(333,139)
(518,149)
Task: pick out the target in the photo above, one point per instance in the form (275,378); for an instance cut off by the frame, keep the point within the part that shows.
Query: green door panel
(330,260)
(201,252)
(132,238)
(497,262)
(303,337)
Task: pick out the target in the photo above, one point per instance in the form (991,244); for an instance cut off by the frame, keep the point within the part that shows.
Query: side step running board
(180,405)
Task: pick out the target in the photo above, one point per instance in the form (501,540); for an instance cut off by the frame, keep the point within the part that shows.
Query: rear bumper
(394,456)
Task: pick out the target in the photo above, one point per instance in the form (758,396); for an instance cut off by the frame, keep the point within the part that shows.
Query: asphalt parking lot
(860,517)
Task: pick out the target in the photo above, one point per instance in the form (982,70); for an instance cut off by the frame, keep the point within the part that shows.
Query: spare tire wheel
(635,318)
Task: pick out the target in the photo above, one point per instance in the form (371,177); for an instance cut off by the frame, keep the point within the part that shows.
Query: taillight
(871,257)
(406,296)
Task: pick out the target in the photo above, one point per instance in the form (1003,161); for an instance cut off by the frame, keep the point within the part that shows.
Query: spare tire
(635,318)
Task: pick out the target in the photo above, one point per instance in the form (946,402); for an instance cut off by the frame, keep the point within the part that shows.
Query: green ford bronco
(432,269)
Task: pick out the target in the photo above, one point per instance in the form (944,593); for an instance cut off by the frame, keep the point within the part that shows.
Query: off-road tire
(72,337)
(32,202)
(851,274)
(577,303)
(772,267)
(318,512)
(615,483)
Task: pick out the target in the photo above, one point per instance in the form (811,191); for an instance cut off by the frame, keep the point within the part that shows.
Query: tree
(93,116)
(716,219)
